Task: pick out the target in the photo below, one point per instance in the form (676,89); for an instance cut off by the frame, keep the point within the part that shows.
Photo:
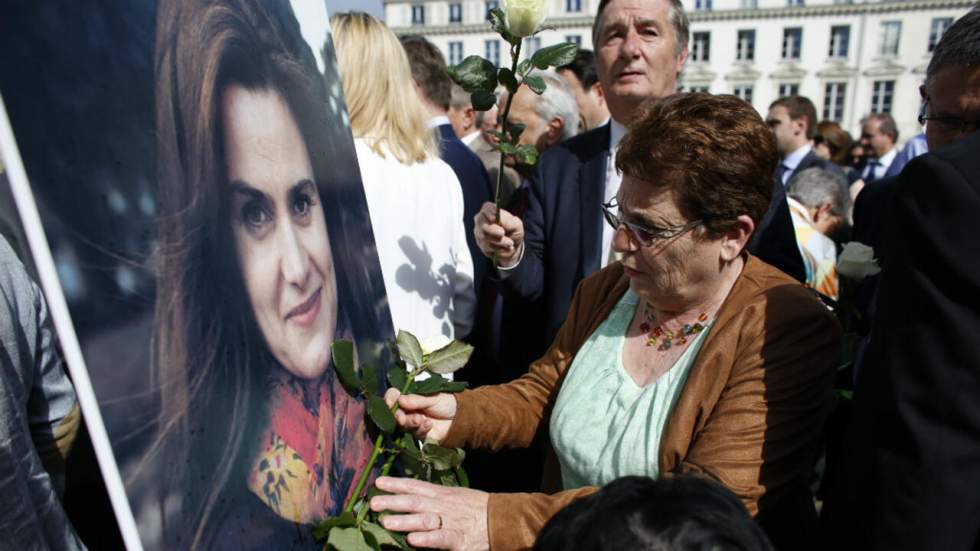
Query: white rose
(857,261)
(524,16)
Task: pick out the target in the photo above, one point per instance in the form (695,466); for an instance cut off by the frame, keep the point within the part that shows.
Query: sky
(374,7)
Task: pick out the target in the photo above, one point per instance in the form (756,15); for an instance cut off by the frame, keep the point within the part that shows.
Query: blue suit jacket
(476,191)
(563,229)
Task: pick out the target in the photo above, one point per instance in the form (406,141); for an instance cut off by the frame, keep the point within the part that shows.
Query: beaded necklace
(665,337)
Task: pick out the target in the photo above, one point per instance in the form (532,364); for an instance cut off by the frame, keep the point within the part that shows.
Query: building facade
(850,58)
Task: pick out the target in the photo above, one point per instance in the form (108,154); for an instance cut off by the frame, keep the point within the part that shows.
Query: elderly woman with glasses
(688,356)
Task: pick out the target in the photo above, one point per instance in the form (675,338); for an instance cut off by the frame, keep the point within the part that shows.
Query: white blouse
(417,216)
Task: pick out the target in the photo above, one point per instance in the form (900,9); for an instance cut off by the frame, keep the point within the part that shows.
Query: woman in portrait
(688,356)
(258,435)
(415,199)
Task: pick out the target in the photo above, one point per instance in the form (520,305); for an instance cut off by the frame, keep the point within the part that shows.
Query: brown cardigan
(750,415)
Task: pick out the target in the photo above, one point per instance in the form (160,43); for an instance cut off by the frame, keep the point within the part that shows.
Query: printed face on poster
(194,174)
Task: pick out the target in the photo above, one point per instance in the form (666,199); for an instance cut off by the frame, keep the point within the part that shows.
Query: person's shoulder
(812,160)
(781,297)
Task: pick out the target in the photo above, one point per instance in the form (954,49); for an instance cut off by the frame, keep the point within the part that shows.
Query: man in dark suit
(793,121)
(434,87)
(911,474)
(562,238)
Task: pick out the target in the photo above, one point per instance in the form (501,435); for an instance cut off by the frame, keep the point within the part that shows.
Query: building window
(702,5)
(748,4)
(455,53)
(701,89)
(701,46)
(843,1)
(491,51)
(573,6)
(792,42)
(881,96)
(936,30)
(746,45)
(574,39)
(833,101)
(418,14)
(840,37)
(532,45)
(789,89)
(744,91)
(794,2)
(492,5)
(456,13)
(891,32)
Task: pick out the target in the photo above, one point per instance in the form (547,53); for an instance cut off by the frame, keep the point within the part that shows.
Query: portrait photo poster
(187,186)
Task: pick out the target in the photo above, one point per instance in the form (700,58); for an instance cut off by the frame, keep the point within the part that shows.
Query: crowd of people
(653,310)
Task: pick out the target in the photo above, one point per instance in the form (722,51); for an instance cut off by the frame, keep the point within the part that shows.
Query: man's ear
(469,117)
(553,133)
(598,93)
(822,212)
(735,239)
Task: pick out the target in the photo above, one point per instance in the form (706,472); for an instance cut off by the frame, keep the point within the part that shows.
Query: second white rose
(524,16)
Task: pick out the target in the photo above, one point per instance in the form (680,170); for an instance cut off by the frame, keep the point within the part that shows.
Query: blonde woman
(414,198)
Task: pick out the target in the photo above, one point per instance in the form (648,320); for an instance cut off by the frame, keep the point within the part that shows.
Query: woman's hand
(437,517)
(428,416)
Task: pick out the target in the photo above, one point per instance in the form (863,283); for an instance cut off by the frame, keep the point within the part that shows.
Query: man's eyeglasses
(950,124)
(643,235)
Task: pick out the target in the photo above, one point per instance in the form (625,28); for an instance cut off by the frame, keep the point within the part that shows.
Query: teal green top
(604,425)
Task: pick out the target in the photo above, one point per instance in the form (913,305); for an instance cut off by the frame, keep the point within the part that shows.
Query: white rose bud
(524,16)
(857,261)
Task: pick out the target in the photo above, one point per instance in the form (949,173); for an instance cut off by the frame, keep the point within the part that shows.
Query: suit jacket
(750,414)
(476,191)
(812,160)
(490,157)
(563,228)
(914,476)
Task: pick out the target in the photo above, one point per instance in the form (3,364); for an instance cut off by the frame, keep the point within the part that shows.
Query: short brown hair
(838,141)
(714,152)
(799,107)
(428,69)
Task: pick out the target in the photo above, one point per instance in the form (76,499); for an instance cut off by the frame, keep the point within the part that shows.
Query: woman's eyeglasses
(643,235)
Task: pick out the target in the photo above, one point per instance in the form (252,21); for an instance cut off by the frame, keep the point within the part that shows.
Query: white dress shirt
(613,179)
(879,166)
(470,138)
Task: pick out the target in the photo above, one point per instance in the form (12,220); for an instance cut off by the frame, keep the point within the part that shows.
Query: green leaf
(527,154)
(343,362)
(498,21)
(370,379)
(523,67)
(409,348)
(483,100)
(844,394)
(475,73)
(450,357)
(447,478)
(442,458)
(397,377)
(382,536)
(347,538)
(535,83)
(411,461)
(462,477)
(506,77)
(321,530)
(515,132)
(435,384)
(380,414)
(507,148)
(501,137)
(555,55)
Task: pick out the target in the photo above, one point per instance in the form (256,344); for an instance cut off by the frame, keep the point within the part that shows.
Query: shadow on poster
(192,166)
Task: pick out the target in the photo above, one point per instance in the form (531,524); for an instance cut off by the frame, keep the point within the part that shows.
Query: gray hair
(557,101)
(815,186)
(959,46)
(675,15)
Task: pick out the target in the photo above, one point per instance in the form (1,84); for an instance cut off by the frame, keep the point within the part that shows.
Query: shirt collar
(616,133)
(470,138)
(886,159)
(799,209)
(793,159)
(436,122)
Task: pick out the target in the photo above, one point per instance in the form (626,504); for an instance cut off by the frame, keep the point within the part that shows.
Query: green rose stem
(378,442)
(515,54)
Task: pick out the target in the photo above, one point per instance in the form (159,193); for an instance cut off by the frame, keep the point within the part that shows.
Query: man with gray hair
(549,117)
(818,202)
